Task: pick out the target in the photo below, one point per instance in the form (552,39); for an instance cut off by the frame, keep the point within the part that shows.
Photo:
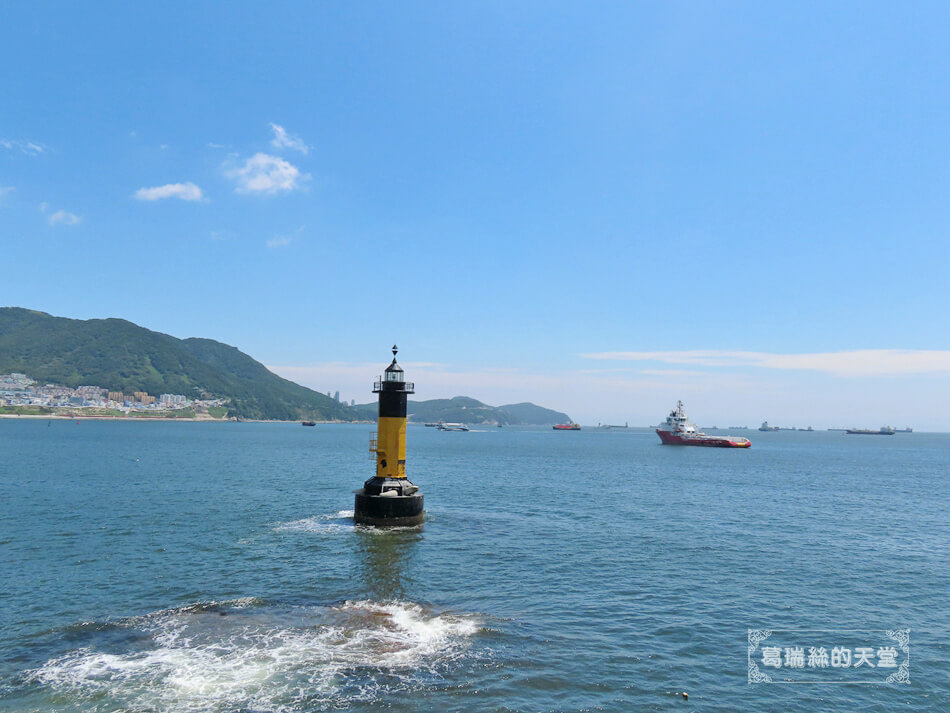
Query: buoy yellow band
(391,448)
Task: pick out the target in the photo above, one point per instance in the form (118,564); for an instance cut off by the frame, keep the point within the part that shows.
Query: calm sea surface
(215,567)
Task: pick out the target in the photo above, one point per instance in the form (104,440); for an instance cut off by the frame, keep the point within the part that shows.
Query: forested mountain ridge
(118,355)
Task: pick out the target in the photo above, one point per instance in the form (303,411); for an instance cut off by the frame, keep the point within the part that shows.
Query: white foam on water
(265,659)
(340,521)
(335,523)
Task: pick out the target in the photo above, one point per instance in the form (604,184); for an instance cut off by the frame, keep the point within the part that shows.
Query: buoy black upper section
(392,404)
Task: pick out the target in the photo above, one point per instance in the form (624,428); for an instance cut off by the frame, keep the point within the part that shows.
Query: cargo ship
(567,427)
(678,431)
(883,431)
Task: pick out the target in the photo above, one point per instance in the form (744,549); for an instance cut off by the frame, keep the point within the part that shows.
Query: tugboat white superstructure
(442,426)
(678,431)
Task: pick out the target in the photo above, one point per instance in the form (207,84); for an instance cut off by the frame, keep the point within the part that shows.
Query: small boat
(883,431)
(309,423)
(567,427)
(678,431)
(452,426)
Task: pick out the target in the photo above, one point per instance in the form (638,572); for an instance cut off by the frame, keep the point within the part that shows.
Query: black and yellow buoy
(388,498)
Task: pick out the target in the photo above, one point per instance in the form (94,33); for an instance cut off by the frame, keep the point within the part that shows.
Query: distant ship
(766,427)
(678,431)
(883,431)
(908,429)
(452,426)
(567,427)
(309,423)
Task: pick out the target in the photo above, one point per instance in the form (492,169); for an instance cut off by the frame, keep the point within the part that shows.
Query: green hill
(121,356)
(459,409)
(463,409)
(529,413)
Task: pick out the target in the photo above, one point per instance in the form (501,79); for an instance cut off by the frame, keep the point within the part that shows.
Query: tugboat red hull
(673,439)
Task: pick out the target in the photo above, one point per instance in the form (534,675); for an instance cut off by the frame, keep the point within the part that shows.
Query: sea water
(161,567)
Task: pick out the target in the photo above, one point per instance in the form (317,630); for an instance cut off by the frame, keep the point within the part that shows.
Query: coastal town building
(20,390)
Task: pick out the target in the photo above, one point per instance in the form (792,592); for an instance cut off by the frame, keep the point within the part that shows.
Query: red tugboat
(567,427)
(678,431)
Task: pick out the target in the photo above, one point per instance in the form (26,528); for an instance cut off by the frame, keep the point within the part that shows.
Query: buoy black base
(388,502)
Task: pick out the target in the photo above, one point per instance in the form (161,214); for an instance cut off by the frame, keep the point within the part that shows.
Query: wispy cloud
(862,362)
(592,395)
(723,396)
(4,190)
(184,191)
(263,173)
(62,217)
(279,241)
(30,148)
(283,140)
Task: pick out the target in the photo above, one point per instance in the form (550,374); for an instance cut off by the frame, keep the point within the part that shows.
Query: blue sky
(599,207)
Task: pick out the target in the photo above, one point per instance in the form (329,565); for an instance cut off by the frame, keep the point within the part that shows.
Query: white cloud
(279,241)
(30,148)
(61,217)
(185,191)
(284,140)
(862,362)
(4,190)
(263,173)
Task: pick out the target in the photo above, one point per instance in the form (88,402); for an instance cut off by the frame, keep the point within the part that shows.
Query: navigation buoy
(389,498)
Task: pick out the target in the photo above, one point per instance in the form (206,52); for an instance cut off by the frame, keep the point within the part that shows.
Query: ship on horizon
(678,431)
(882,431)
